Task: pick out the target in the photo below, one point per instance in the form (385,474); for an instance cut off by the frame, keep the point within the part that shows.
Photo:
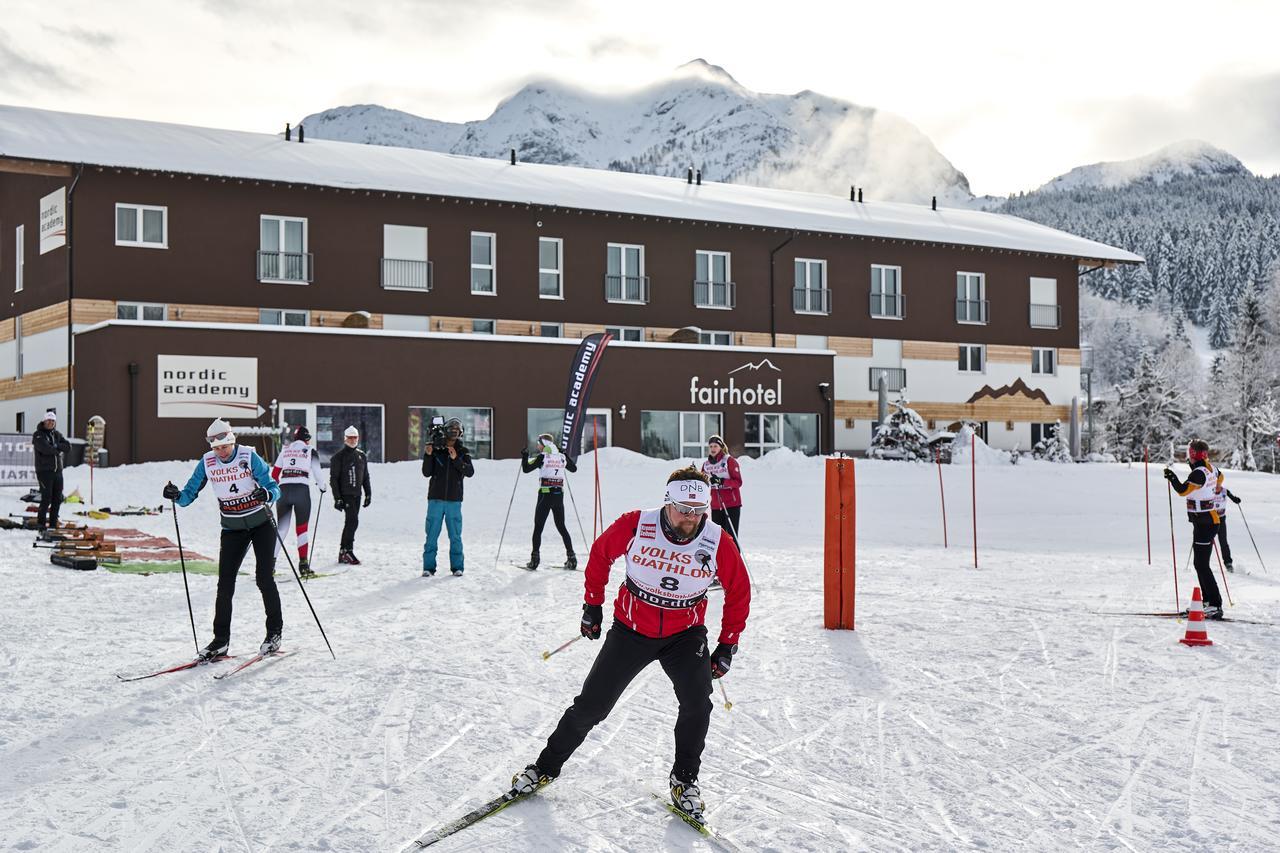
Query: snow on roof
(32,134)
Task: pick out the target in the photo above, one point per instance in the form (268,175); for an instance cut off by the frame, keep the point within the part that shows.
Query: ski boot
(1213,611)
(216,649)
(342,557)
(571,561)
(533,561)
(1230,567)
(686,796)
(270,645)
(529,780)
(352,559)
(304,569)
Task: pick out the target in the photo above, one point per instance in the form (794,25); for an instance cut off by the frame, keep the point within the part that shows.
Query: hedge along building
(472,279)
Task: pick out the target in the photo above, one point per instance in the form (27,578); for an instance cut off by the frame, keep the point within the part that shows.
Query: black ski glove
(172,493)
(592,616)
(1170,476)
(261,495)
(715,481)
(722,659)
(368,499)
(339,504)
(1234,498)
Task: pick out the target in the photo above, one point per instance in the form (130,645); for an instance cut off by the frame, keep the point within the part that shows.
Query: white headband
(688,492)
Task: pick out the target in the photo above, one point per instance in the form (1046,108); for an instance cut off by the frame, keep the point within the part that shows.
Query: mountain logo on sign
(760,365)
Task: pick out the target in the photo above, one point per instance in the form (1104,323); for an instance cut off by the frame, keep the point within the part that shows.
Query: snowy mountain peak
(698,116)
(1188,158)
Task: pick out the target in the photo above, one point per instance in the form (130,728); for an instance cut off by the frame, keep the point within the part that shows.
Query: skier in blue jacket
(244,488)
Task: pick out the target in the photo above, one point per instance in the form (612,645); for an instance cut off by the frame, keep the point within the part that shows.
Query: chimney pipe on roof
(935,202)
(288,132)
(690,177)
(859,196)
(698,177)
(300,131)
(853,193)
(513,156)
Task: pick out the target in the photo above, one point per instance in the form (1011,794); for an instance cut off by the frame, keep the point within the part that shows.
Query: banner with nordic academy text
(17,460)
(206,386)
(53,220)
(582,375)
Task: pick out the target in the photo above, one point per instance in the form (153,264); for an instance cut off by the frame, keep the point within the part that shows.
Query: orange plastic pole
(839,544)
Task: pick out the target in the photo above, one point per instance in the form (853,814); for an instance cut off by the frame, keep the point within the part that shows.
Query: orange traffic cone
(1196,633)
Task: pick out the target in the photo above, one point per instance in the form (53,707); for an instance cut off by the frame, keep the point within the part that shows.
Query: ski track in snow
(987,709)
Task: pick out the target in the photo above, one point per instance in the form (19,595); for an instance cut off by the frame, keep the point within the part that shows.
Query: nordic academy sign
(766,390)
(206,386)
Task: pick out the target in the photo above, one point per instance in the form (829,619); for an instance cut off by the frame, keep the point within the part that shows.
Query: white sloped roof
(32,134)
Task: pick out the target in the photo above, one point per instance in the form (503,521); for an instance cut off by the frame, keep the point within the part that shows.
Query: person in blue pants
(446,463)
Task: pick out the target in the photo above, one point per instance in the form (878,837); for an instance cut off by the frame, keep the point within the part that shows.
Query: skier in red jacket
(672,554)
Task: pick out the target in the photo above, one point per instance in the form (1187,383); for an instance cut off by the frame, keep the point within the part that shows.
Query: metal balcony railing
(810,301)
(284,266)
(627,288)
(398,274)
(891,305)
(972,310)
(714,294)
(1046,316)
(895,378)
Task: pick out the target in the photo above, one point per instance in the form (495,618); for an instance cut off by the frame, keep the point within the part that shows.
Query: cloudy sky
(1010,94)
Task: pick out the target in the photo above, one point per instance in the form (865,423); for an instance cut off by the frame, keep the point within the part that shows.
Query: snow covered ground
(988,708)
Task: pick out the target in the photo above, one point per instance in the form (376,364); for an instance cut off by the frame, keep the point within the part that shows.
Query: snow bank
(966,445)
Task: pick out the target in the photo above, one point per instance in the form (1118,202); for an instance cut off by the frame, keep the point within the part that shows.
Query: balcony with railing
(399,274)
(1046,316)
(811,301)
(291,267)
(714,294)
(627,288)
(972,310)
(895,378)
(888,306)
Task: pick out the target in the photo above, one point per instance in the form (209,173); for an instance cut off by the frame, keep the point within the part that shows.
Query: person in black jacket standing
(551,482)
(348,476)
(446,463)
(49,445)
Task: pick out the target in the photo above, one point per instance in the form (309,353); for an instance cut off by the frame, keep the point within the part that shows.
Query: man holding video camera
(446,463)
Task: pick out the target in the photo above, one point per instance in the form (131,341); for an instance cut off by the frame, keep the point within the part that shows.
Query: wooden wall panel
(515,327)
(1020,410)
(851,347)
(41,382)
(45,319)
(581,330)
(7,328)
(1069,357)
(90,311)
(1008,354)
(213,314)
(929,351)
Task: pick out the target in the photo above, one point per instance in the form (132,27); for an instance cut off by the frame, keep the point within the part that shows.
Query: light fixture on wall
(622,411)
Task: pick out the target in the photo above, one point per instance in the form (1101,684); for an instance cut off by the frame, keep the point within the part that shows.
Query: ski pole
(183,561)
(311,545)
(272,519)
(510,503)
(942,495)
(727,704)
(546,655)
(1222,571)
(581,530)
(1173,548)
(1255,544)
(1146,485)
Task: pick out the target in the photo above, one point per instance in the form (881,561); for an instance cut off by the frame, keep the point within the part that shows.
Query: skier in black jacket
(348,476)
(550,495)
(49,445)
(1202,489)
(446,463)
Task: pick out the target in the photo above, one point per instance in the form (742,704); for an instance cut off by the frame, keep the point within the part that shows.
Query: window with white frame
(484,263)
(971,297)
(551,330)
(17,347)
(282,252)
(19,257)
(550,268)
(1046,313)
(624,279)
(886,292)
(713,283)
(404,258)
(696,428)
(1043,432)
(283,317)
(484,327)
(811,295)
(626,333)
(716,339)
(142,225)
(973,358)
(148,312)
(761,433)
(1044,360)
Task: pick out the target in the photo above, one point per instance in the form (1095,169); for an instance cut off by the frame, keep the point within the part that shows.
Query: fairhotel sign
(755,384)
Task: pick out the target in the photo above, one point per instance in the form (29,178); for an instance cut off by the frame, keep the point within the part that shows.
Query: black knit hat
(301,433)
(715,439)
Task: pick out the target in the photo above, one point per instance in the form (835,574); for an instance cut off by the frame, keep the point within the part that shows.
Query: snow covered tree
(1247,376)
(1148,412)
(1053,448)
(904,435)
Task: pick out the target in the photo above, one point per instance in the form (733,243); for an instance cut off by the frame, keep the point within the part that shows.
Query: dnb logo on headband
(687,491)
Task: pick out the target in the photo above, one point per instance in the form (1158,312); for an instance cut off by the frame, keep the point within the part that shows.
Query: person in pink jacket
(726,482)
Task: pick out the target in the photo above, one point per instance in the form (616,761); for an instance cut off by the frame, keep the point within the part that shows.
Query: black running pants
(625,653)
(351,507)
(1203,531)
(1222,540)
(728,519)
(550,503)
(235,544)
